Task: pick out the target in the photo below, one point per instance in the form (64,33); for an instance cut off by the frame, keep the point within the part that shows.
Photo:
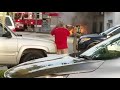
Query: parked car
(100,61)
(15,49)
(9,22)
(87,41)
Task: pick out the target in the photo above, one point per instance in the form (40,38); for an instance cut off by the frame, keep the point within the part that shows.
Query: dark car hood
(91,35)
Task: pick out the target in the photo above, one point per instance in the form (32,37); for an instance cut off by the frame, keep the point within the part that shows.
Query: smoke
(76,17)
(84,17)
(66,17)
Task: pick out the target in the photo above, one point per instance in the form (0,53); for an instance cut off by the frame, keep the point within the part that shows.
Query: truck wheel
(31,55)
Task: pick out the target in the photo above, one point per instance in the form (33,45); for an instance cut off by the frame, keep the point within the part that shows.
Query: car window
(108,49)
(2,31)
(8,21)
(116,31)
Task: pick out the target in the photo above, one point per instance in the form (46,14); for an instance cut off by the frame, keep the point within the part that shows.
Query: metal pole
(36,21)
(42,23)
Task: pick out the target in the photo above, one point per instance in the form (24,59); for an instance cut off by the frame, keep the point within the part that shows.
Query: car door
(8,48)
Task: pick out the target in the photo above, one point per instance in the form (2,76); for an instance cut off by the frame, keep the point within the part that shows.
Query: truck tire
(31,55)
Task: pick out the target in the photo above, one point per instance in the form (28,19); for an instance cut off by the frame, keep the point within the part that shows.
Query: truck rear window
(8,22)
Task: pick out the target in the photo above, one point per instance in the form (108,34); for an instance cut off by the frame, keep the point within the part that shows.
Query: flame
(83,29)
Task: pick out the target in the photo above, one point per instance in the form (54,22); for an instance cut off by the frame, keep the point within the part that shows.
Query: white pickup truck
(15,49)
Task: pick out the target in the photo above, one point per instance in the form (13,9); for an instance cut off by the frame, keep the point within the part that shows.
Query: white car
(15,49)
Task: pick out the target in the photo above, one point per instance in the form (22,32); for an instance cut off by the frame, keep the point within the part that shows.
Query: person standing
(76,34)
(61,33)
(75,40)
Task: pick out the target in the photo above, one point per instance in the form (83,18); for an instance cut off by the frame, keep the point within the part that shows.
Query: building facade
(95,22)
(111,19)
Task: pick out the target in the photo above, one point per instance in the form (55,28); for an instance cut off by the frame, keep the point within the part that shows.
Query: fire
(83,29)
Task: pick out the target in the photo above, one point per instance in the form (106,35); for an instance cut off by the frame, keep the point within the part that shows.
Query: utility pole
(42,23)
(36,20)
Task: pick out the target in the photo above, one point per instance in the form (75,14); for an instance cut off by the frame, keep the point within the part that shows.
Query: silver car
(15,49)
(100,61)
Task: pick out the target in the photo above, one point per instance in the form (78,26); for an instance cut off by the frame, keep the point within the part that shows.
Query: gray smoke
(66,17)
(76,17)
(84,17)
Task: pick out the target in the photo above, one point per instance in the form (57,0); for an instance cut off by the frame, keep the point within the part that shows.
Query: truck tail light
(18,20)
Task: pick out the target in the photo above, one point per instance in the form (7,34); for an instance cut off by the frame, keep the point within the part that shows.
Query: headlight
(108,36)
(85,39)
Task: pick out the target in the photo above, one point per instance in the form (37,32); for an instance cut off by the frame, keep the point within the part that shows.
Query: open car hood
(59,66)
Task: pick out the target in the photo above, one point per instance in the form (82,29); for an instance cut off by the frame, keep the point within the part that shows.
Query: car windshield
(107,49)
(108,31)
(8,22)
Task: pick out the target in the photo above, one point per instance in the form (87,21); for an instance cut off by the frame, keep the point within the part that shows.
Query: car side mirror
(7,34)
(104,34)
